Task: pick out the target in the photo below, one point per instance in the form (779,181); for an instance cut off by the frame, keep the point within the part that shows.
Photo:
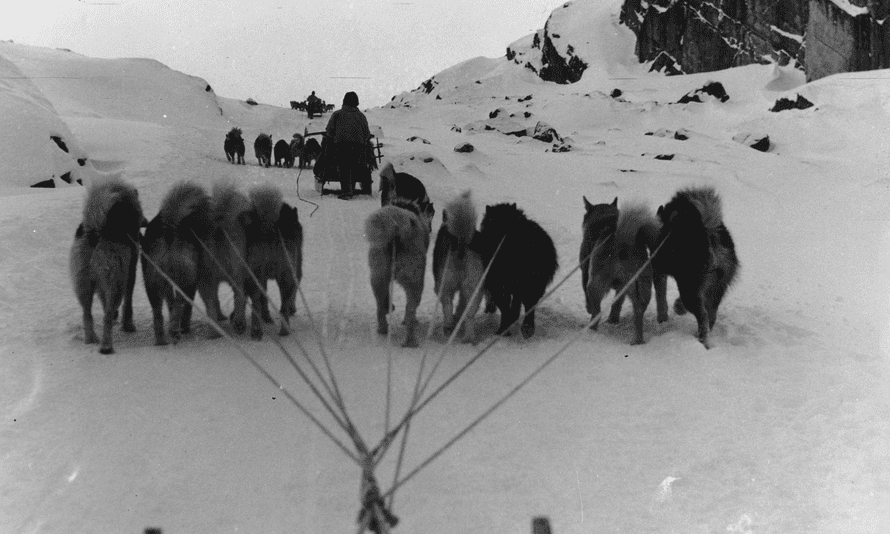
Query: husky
(697,250)
(311,151)
(224,254)
(457,266)
(274,252)
(104,256)
(173,246)
(296,151)
(282,154)
(619,243)
(518,275)
(399,236)
(234,146)
(400,185)
(262,147)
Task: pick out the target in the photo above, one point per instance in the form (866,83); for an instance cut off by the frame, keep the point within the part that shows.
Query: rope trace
(531,376)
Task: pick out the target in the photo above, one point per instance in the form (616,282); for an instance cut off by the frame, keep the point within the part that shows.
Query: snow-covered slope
(782,427)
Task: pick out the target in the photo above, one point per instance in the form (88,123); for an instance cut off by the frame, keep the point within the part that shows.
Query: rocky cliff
(821,37)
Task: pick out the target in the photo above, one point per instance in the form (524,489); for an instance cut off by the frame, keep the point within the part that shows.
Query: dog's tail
(185,207)
(112,208)
(391,226)
(636,227)
(460,219)
(227,203)
(387,182)
(266,201)
(709,205)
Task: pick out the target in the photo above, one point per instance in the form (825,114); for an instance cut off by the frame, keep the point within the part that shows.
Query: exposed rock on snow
(757,141)
(711,90)
(415,138)
(464,148)
(544,132)
(783,104)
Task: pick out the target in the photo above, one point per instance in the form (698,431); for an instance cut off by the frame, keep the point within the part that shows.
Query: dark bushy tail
(227,203)
(112,209)
(266,201)
(185,208)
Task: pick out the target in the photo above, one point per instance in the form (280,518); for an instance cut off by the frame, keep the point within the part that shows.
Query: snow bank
(36,146)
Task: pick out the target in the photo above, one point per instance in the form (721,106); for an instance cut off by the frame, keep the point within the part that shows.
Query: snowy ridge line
(251,359)
(534,373)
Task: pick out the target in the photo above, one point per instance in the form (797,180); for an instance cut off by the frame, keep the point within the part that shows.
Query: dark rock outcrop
(783,104)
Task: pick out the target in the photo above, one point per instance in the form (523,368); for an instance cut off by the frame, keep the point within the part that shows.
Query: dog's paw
(106,350)
(90,338)
(679,308)
(528,330)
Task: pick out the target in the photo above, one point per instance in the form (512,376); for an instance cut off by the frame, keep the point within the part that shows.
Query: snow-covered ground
(784,426)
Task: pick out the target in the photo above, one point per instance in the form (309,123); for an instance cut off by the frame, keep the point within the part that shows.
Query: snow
(850,8)
(782,427)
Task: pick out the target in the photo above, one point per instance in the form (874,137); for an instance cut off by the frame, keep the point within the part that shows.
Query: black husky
(698,252)
(274,252)
(523,268)
(104,256)
(401,185)
(262,147)
(283,154)
(173,245)
(234,146)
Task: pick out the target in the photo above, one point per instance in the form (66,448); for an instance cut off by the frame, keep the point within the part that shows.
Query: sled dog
(234,146)
(262,147)
(457,266)
(698,252)
(173,246)
(274,252)
(621,242)
(224,253)
(399,236)
(104,256)
(523,268)
(400,185)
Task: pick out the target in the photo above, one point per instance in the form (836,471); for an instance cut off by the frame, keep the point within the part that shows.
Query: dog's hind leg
(288,288)
(413,293)
(615,310)
(661,306)
(692,299)
(111,301)
(127,323)
(528,323)
(641,294)
(85,297)
(597,287)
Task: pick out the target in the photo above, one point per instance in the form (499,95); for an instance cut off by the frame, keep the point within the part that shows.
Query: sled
(326,173)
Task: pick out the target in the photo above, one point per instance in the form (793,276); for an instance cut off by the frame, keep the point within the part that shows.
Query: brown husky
(399,236)
(457,267)
(104,256)
(621,242)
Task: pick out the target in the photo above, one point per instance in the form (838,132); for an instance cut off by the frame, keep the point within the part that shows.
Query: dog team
(299,150)
(199,240)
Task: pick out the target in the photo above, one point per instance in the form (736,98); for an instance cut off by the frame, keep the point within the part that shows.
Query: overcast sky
(277,51)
